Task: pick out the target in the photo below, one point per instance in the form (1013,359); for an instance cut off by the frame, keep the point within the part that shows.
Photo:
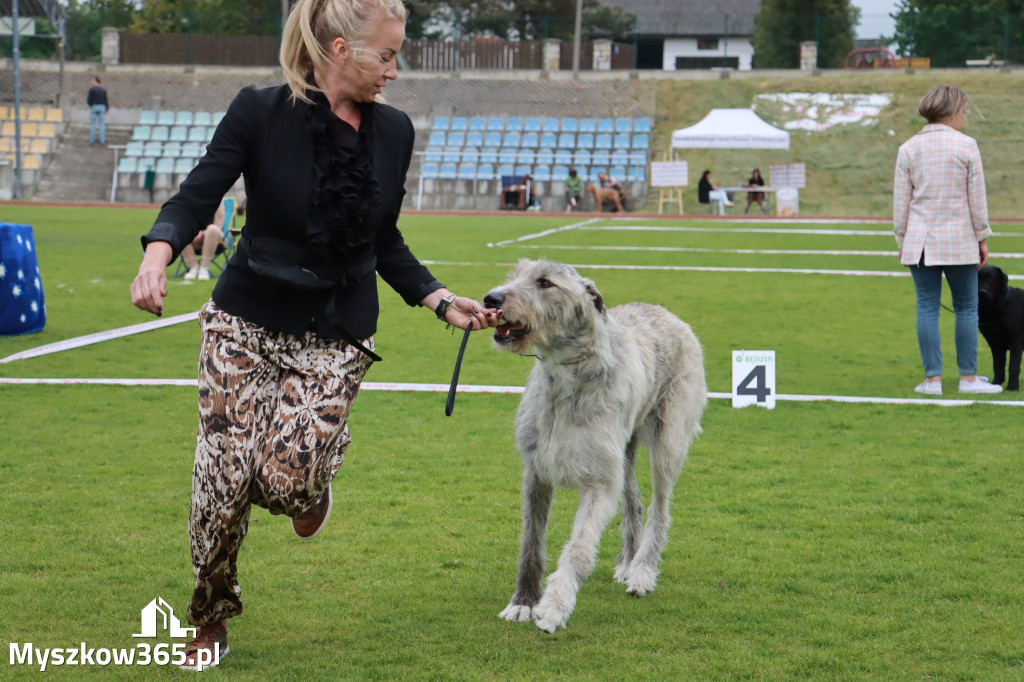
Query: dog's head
(993,285)
(545,304)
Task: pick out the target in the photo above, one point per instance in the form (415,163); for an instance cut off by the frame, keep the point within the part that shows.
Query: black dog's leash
(449,406)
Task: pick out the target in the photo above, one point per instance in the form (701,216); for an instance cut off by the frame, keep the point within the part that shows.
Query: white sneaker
(929,387)
(204,273)
(192,273)
(979,385)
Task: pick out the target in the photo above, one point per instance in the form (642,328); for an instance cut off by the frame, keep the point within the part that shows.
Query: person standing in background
(98,106)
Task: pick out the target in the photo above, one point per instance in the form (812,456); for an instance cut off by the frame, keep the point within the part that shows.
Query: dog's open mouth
(508,331)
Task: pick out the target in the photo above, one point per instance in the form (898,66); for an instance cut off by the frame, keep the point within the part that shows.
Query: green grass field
(818,540)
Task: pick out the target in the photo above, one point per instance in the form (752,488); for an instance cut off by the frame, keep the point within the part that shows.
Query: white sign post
(753,378)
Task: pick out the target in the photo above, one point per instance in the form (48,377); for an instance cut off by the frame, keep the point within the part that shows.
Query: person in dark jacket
(98,107)
(288,334)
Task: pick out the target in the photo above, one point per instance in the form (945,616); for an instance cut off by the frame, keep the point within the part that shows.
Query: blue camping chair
(225,250)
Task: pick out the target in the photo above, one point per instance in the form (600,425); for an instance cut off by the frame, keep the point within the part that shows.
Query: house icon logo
(158,615)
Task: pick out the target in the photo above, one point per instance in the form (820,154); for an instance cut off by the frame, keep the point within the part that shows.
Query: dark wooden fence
(435,55)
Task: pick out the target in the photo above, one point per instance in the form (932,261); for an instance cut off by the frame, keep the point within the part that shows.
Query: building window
(707,43)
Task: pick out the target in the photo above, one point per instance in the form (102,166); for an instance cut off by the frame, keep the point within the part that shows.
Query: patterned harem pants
(273,409)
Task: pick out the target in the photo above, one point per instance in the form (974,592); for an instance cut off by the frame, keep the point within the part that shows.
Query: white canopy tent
(731,129)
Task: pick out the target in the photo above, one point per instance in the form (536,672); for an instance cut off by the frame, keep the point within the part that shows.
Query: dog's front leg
(999,362)
(1013,374)
(537,496)
(597,507)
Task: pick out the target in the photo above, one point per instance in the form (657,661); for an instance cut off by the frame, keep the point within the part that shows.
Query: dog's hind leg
(537,497)
(632,513)
(597,507)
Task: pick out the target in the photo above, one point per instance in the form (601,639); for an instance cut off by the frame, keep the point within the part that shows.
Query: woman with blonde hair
(288,333)
(940,218)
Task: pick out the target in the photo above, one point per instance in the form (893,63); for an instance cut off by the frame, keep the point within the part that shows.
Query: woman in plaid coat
(940,216)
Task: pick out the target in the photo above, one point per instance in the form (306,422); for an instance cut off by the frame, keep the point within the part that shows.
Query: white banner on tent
(669,174)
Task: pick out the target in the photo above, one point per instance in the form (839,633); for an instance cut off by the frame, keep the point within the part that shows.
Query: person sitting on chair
(206,242)
(755,197)
(573,190)
(706,192)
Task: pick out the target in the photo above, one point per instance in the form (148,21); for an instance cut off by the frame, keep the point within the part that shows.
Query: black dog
(1001,322)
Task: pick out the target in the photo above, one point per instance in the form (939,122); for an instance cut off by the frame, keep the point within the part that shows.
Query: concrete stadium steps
(79,171)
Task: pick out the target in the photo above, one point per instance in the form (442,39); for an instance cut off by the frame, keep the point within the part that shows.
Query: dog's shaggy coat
(604,381)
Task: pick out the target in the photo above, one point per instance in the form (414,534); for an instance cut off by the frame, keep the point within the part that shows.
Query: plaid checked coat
(939,205)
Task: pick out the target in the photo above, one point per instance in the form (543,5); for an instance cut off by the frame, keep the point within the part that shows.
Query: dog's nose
(494,300)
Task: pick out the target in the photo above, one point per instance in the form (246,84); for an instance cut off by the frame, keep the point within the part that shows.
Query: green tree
(782,25)
(219,17)
(951,34)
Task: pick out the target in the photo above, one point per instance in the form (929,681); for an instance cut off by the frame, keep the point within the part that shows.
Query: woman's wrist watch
(443,306)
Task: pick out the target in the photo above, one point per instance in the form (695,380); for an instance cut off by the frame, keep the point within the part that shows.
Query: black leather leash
(449,406)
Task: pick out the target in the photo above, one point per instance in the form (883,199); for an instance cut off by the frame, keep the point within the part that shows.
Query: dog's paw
(517,613)
(621,571)
(552,613)
(641,579)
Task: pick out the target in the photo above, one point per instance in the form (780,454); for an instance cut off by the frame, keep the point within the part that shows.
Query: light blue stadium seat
(127,164)
(582,157)
(531,124)
(467,171)
(526,156)
(478,123)
(588,125)
(549,125)
(529,140)
(153,149)
(523,169)
(618,172)
(141,133)
(429,171)
(474,138)
(623,125)
(585,141)
(504,169)
(456,139)
(172,150)
(620,157)
(164,165)
(197,134)
(147,118)
(134,148)
(202,118)
(563,157)
(452,155)
(471,154)
(637,174)
(545,156)
(179,134)
(603,141)
(514,124)
(559,173)
(641,141)
(507,155)
(642,125)
(549,140)
(460,123)
(510,140)
(492,139)
(209,133)
(160,134)
(595,171)
(601,157)
(145,162)
(637,157)
(570,125)
(566,141)
(440,123)
(448,172)
(489,155)
(183,118)
(542,173)
(485,171)
(184,165)
(432,155)
(605,125)
(217,116)
(496,124)
(165,118)
(192,149)
(437,139)
(621,141)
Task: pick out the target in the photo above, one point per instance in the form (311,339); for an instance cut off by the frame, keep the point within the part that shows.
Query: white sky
(874,17)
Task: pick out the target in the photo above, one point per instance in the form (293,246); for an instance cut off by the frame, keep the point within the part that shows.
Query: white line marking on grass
(471,388)
(753,230)
(89,339)
(785,252)
(694,268)
(545,233)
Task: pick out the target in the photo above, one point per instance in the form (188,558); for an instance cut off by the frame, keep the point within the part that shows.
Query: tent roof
(731,129)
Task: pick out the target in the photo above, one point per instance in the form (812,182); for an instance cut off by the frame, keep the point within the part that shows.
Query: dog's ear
(596,296)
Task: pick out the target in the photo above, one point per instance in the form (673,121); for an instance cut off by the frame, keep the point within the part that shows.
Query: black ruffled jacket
(335,196)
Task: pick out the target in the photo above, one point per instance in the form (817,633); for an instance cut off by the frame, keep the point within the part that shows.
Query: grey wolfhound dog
(604,381)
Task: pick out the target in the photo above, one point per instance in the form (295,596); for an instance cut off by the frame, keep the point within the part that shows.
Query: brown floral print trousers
(273,412)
